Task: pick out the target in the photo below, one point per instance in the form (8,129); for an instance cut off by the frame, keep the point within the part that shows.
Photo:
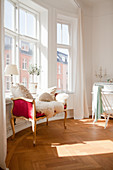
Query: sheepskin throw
(62,97)
(49,108)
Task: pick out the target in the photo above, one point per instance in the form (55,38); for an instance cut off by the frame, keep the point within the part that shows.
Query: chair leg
(47,122)
(106,122)
(13,127)
(65,119)
(34,132)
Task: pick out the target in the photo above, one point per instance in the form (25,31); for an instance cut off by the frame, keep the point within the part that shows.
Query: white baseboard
(25,124)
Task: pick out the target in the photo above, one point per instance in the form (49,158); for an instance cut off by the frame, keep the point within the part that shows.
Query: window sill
(61,91)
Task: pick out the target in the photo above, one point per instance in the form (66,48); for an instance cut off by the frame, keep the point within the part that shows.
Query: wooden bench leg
(13,127)
(65,118)
(34,132)
(47,122)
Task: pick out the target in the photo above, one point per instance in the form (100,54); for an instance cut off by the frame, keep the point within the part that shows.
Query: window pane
(38,27)
(8,58)
(31,25)
(9,15)
(22,21)
(65,34)
(59,33)
(27,57)
(9,43)
(7,83)
(62,63)
(27,24)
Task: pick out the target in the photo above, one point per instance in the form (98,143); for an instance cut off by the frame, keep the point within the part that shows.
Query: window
(8,83)
(24,64)
(27,23)
(22,43)
(9,49)
(9,13)
(63,55)
(62,33)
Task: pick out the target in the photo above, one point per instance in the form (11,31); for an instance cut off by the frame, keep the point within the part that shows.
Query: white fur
(62,97)
(49,108)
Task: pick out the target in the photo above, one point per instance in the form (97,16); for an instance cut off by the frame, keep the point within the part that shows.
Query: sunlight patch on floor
(85,148)
(100,122)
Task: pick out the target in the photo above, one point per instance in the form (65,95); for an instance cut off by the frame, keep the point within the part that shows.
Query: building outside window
(63,55)
(22,43)
(59,69)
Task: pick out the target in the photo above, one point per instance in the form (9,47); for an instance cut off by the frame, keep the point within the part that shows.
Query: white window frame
(69,48)
(59,83)
(24,81)
(17,36)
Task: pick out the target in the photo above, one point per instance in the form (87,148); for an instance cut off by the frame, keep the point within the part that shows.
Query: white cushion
(20,91)
(50,90)
(45,97)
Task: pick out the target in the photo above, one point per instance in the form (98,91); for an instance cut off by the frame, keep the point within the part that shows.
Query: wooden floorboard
(82,146)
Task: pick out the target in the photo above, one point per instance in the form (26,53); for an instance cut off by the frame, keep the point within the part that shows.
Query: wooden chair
(107,104)
(24,108)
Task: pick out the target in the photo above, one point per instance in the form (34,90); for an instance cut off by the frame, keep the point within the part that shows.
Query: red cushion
(39,114)
(65,106)
(22,108)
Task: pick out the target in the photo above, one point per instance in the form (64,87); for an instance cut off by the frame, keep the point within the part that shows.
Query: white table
(96,98)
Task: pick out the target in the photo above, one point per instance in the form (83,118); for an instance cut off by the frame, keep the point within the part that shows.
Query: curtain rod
(77,4)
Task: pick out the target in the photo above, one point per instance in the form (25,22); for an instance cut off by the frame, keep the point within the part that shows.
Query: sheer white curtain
(81,107)
(3,137)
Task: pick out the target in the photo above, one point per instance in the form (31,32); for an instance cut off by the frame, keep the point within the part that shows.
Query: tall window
(22,44)
(63,55)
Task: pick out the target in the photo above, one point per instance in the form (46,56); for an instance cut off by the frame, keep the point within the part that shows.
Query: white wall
(102,38)
(98,42)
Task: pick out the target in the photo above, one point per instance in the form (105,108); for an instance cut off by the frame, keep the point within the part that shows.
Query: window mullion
(64,58)
(63,46)
(61,34)
(25,23)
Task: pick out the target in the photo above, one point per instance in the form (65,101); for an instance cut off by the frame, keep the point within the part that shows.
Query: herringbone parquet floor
(82,146)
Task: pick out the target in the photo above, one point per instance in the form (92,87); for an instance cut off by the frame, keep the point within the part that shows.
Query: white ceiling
(92,2)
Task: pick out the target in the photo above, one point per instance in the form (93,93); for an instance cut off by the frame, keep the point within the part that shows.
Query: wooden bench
(24,108)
